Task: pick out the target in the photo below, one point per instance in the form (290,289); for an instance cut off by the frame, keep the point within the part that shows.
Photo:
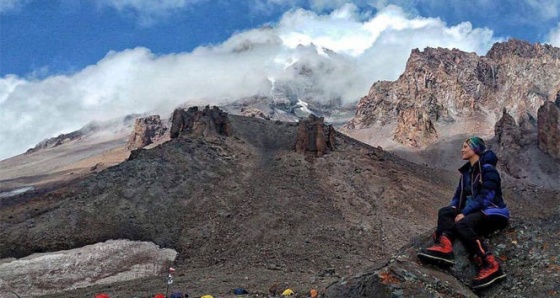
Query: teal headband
(477,145)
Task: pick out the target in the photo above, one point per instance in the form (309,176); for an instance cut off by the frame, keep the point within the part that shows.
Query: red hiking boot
(488,274)
(440,253)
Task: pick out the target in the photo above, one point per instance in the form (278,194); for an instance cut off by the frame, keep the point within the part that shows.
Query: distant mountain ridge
(440,87)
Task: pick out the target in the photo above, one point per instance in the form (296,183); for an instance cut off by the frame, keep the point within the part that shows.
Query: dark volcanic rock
(146,131)
(206,122)
(314,136)
(246,210)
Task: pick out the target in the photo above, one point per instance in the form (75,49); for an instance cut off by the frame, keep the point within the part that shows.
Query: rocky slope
(243,207)
(527,249)
(242,203)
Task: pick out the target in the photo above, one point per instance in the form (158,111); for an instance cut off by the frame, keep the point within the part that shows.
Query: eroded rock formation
(549,127)
(146,131)
(510,139)
(206,122)
(313,136)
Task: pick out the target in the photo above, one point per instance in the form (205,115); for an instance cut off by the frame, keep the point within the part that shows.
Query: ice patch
(15,192)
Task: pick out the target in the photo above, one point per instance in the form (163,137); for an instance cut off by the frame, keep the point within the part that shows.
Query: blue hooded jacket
(480,188)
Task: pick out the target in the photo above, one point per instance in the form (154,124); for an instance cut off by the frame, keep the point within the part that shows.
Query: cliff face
(442,86)
(549,128)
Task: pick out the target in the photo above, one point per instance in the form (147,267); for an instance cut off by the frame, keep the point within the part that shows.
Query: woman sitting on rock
(476,210)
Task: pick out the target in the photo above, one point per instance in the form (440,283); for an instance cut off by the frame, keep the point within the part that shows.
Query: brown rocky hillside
(243,208)
(242,203)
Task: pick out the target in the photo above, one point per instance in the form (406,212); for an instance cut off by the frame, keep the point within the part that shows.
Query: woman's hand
(459,217)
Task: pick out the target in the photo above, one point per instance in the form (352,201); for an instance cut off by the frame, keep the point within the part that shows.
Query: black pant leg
(474,226)
(446,221)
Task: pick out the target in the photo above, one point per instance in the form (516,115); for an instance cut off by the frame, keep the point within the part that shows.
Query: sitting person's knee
(447,211)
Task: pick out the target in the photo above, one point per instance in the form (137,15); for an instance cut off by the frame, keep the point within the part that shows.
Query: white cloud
(136,80)
(554,36)
(269,6)
(543,9)
(147,11)
(320,5)
(148,5)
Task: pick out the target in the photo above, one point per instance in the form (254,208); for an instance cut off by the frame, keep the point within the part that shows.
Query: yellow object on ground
(207,296)
(287,292)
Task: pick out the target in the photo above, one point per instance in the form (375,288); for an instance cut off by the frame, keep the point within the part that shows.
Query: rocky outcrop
(521,49)
(549,127)
(440,86)
(146,131)
(313,136)
(510,139)
(205,122)
(404,276)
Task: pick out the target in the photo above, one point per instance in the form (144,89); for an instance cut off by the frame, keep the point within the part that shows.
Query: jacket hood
(487,157)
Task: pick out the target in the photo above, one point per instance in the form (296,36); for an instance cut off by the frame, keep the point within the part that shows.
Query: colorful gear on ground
(287,292)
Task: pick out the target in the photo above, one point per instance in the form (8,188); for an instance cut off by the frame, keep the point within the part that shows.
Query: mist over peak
(339,55)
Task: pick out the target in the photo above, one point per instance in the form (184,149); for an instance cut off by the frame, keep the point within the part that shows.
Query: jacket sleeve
(487,192)
(457,195)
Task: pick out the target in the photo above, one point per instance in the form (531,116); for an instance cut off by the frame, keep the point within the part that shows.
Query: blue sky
(63,36)
(84,60)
